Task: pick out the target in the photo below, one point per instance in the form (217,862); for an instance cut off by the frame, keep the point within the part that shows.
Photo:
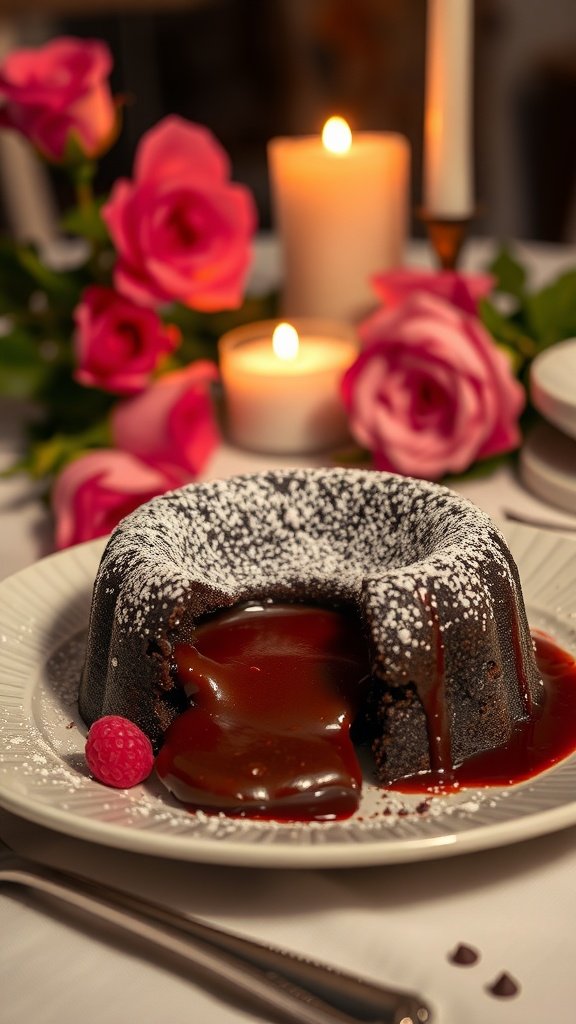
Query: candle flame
(285,341)
(336,135)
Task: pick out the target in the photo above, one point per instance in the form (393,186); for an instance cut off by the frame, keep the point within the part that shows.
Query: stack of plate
(548,457)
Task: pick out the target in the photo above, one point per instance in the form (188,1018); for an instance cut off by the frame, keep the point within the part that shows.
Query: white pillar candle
(448,188)
(341,215)
(282,387)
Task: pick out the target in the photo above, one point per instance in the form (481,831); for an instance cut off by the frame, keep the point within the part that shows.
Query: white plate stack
(548,457)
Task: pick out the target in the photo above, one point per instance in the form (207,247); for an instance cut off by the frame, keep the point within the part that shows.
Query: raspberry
(118,753)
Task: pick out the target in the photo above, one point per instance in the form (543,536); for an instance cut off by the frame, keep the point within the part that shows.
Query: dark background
(252,69)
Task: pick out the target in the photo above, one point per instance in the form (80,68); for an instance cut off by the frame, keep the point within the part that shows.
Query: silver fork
(304,991)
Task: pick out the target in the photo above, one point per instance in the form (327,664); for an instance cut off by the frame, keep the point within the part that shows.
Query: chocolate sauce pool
(537,742)
(273,692)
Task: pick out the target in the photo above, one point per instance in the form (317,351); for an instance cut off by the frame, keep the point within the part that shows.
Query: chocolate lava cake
(428,574)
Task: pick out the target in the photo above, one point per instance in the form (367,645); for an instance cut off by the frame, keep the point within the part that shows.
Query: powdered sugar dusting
(42,612)
(428,573)
(376,540)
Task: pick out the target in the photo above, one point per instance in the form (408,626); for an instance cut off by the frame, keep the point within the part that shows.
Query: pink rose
(58,93)
(117,343)
(462,290)
(181,228)
(95,491)
(431,392)
(172,423)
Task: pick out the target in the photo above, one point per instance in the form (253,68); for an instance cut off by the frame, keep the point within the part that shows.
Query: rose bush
(58,96)
(95,491)
(182,229)
(117,343)
(430,393)
(172,423)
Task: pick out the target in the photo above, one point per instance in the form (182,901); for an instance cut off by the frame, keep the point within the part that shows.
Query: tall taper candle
(448,175)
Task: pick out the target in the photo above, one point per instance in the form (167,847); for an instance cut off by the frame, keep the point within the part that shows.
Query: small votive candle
(282,384)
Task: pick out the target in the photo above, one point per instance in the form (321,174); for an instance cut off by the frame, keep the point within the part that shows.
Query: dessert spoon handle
(304,991)
(537,522)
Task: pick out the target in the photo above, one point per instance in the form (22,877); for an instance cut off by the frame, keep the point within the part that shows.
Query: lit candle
(282,384)
(341,209)
(448,189)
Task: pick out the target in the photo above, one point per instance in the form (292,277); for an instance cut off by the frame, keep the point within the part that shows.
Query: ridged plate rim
(45,607)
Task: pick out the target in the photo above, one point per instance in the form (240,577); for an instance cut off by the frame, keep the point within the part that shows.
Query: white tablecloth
(397,924)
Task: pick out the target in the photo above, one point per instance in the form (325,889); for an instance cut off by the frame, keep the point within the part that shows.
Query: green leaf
(87,222)
(507,332)
(74,159)
(48,457)
(551,312)
(353,456)
(201,331)
(22,369)
(61,285)
(16,284)
(479,470)
(70,408)
(510,275)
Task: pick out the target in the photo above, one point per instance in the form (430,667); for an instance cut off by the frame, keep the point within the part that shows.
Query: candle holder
(446,236)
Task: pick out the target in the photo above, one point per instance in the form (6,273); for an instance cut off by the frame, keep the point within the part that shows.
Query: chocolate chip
(504,986)
(464,956)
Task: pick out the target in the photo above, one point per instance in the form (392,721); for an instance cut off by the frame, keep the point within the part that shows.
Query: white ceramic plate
(553,385)
(548,466)
(43,619)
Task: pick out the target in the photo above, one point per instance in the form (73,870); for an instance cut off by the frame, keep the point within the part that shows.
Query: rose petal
(117,343)
(59,92)
(96,490)
(461,290)
(430,392)
(173,421)
(182,230)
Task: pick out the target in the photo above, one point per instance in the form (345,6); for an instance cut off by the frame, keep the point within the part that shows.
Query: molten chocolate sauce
(274,690)
(537,742)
